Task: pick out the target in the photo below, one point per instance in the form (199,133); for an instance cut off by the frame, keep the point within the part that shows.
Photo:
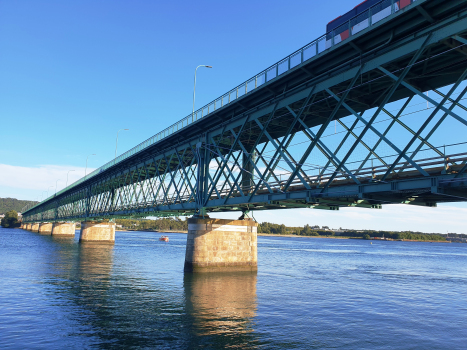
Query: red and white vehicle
(359,18)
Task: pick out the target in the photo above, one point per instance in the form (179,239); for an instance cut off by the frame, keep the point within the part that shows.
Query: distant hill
(7,204)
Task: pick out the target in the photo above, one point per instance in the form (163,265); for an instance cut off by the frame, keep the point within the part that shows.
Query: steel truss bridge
(375,119)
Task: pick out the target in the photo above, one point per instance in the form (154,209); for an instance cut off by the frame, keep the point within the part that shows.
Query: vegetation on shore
(10,220)
(7,204)
(177,224)
(163,224)
(307,230)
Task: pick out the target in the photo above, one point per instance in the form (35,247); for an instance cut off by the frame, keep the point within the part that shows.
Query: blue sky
(72,73)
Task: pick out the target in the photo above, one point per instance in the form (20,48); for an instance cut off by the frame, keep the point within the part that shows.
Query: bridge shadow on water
(113,305)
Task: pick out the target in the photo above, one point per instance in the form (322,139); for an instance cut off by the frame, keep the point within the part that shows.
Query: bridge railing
(353,26)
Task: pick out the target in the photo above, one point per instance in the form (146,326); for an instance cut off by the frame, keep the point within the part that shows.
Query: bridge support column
(35,227)
(63,229)
(45,228)
(98,232)
(215,245)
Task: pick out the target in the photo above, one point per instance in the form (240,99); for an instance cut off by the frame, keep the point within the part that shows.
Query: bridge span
(369,114)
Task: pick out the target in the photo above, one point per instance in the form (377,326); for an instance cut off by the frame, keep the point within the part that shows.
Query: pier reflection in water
(222,306)
(124,297)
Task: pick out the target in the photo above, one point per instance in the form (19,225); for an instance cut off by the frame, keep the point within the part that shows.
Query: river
(309,293)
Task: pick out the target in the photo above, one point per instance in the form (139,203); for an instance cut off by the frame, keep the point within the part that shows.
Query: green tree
(366,236)
(10,220)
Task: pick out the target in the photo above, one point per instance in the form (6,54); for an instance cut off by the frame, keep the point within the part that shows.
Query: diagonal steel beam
(385,100)
(282,154)
(424,125)
(385,139)
(288,136)
(409,129)
(460,39)
(231,151)
(323,128)
(451,100)
(429,99)
(398,115)
(436,126)
(326,151)
(363,143)
(321,171)
(254,164)
(235,180)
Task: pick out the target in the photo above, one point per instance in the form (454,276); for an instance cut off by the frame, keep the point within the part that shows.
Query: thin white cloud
(33,180)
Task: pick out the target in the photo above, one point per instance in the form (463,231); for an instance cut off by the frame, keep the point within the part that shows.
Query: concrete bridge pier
(35,227)
(97,232)
(28,227)
(63,229)
(217,245)
(45,228)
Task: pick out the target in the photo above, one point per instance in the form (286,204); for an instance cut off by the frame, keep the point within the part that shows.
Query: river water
(309,293)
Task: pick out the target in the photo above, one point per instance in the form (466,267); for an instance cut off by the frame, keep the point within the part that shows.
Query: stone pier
(97,232)
(63,229)
(221,245)
(35,227)
(28,227)
(45,228)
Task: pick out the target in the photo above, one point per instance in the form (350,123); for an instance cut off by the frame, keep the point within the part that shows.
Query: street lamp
(116,142)
(194,91)
(56,182)
(67,178)
(42,195)
(86,170)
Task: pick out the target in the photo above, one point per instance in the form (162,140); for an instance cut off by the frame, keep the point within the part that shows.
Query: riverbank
(293,236)
(165,231)
(344,237)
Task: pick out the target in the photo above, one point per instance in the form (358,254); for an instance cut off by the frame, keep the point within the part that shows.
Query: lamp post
(86,169)
(67,178)
(116,142)
(56,182)
(194,90)
(42,195)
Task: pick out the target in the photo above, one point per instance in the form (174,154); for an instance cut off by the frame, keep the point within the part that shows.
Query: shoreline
(296,236)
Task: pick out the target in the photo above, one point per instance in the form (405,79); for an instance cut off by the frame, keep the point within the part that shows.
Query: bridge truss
(379,119)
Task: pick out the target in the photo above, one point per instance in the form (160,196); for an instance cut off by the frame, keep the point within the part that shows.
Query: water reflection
(120,297)
(222,307)
(95,262)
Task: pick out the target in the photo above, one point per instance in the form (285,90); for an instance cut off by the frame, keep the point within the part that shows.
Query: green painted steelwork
(274,150)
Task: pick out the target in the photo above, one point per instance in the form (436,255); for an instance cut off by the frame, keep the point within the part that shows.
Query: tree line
(162,224)
(307,230)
